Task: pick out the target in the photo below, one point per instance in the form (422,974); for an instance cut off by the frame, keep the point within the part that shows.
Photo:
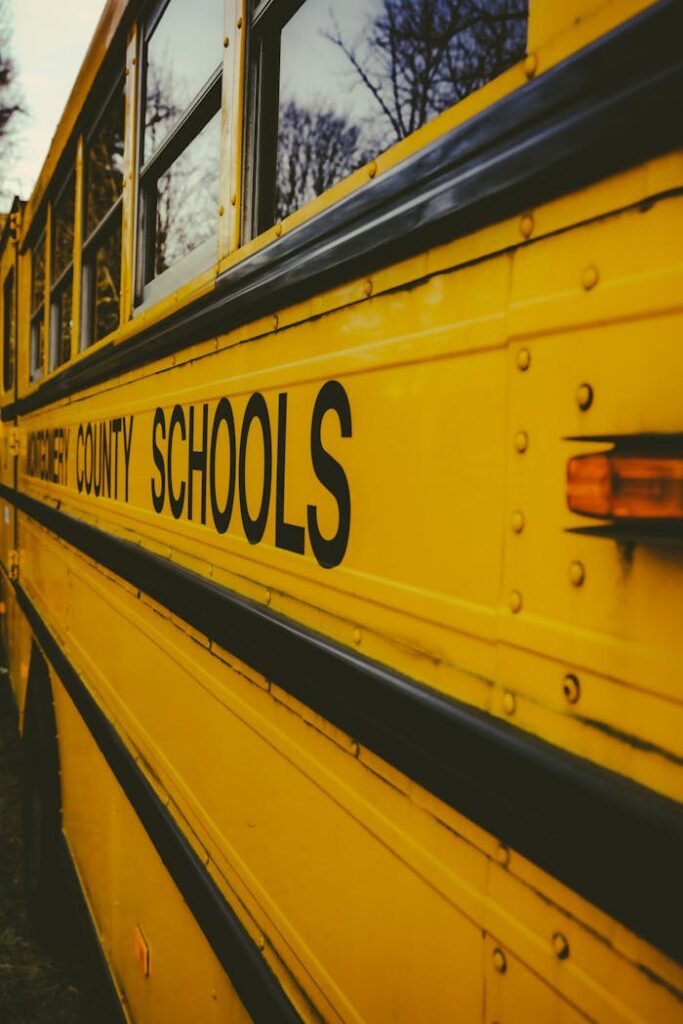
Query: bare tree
(10,96)
(317,146)
(417,57)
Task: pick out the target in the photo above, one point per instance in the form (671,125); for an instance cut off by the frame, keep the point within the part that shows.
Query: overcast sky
(50,41)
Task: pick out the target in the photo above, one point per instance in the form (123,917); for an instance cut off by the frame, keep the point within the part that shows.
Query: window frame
(35,360)
(89,243)
(148,288)
(65,281)
(9,329)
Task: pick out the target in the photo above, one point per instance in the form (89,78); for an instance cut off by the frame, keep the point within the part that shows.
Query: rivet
(517,521)
(526,225)
(276,321)
(503,854)
(571,688)
(134,60)
(226,41)
(367,288)
(355,748)
(356,636)
(590,277)
(515,601)
(584,396)
(239,22)
(278,229)
(521,441)
(372,169)
(126,72)
(261,942)
(233,199)
(523,359)
(500,964)
(577,573)
(269,595)
(214,994)
(530,65)
(221,210)
(560,946)
(509,703)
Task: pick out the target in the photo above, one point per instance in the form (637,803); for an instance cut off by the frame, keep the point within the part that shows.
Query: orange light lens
(625,486)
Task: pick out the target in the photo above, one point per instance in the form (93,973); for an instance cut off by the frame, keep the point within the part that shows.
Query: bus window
(61,274)
(180,139)
(102,246)
(9,332)
(37,342)
(355,78)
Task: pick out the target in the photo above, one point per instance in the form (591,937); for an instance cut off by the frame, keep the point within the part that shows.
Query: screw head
(577,573)
(233,199)
(278,229)
(517,521)
(372,169)
(226,41)
(356,635)
(560,946)
(515,601)
(239,22)
(221,210)
(276,321)
(584,396)
(509,703)
(502,854)
(571,688)
(367,288)
(589,277)
(355,748)
(530,65)
(521,441)
(526,225)
(269,596)
(500,963)
(523,359)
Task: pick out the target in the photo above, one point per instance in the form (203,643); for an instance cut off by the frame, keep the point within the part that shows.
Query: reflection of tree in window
(102,252)
(105,163)
(410,60)
(316,148)
(416,58)
(187,199)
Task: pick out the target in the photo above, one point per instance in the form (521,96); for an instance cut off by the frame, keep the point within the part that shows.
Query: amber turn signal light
(610,485)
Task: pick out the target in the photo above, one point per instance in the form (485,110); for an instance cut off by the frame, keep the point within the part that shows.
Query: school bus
(342,491)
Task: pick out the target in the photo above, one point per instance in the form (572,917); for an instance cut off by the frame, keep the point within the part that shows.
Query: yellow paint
(466,368)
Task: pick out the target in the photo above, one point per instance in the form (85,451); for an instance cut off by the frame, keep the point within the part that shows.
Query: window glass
(60,326)
(185,48)
(358,76)
(63,232)
(9,331)
(104,163)
(38,275)
(107,279)
(187,198)
(37,335)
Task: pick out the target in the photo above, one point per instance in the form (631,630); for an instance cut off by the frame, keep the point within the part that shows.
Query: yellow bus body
(473,370)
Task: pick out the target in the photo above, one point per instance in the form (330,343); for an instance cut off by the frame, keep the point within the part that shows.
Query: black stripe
(606,108)
(256,985)
(616,843)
